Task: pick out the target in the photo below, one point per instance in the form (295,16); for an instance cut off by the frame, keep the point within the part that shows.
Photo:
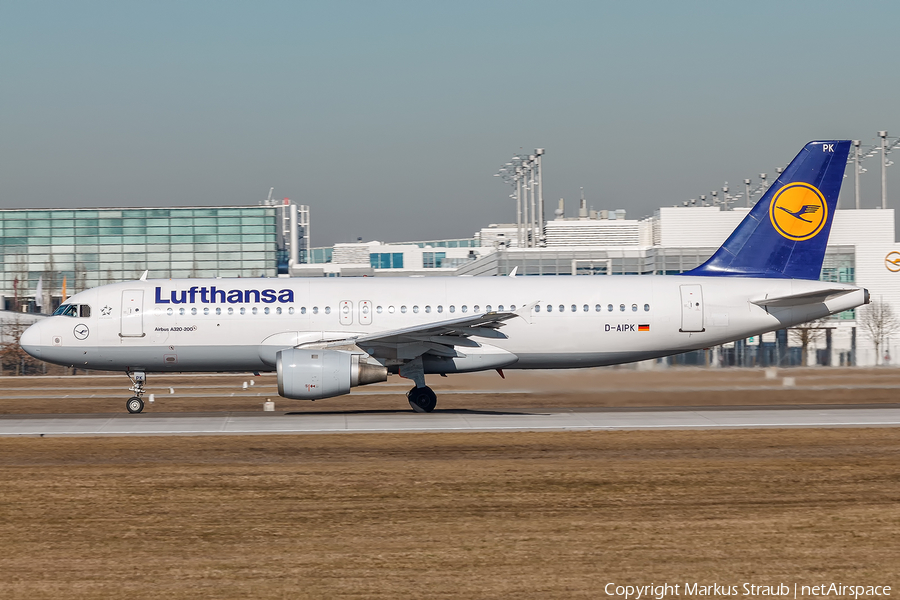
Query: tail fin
(785,234)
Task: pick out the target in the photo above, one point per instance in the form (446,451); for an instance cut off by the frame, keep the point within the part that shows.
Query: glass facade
(386,260)
(91,247)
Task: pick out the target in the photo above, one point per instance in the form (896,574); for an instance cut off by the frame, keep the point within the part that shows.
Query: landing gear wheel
(422,399)
(134,405)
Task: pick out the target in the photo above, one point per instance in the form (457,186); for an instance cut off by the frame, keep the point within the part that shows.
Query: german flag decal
(643,328)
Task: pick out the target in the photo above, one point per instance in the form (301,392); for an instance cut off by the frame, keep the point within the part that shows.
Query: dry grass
(514,515)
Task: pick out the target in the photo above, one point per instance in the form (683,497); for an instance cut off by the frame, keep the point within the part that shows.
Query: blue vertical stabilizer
(785,233)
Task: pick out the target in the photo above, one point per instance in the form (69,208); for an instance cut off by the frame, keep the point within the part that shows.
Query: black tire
(422,399)
(134,405)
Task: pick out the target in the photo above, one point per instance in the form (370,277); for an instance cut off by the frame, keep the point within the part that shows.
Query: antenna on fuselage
(144,276)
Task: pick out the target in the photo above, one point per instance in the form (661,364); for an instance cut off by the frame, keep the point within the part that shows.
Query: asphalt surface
(383,421)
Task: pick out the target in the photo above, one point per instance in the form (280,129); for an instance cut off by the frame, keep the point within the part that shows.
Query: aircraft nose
(31,340)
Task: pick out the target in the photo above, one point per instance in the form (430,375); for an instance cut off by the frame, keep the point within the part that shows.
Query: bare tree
(878,322)
(12,358)
(806,334)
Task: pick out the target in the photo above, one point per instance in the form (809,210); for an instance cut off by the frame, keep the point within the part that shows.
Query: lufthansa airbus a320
(324,336)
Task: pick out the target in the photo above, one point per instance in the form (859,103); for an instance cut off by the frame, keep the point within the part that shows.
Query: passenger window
(194,310)
(415,308)
(266,310)
(500,308)
(575,308)
(621,308)
(291,310)
(243,310)
(85,310)
(391,309)
(428,308)
(562,308)
(537,308)
(598,308)
(378,309)
(169,311)
(475,308)
(487,308)
(219,310)
(255,310)
(315,310)
(452,308)
(181,311)
(634,308)
(512,307)
(403,308)
(206,310)
(230,310)
(646,307)
(465,308)
(609,307)
(327,310)
(549,308)
(277,310)
(586,308)
(440,308)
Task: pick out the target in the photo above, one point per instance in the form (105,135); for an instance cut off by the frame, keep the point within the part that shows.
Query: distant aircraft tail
(784,235)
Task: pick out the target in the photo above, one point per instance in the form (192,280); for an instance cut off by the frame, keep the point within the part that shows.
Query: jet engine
(305,374)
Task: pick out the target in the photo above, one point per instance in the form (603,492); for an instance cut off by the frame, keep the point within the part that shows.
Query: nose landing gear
(135,404)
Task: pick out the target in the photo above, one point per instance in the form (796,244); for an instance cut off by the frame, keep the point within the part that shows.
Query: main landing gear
(422,399)
(135,404)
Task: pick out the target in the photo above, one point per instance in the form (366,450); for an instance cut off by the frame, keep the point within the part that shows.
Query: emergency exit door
(132,314)
(691,308)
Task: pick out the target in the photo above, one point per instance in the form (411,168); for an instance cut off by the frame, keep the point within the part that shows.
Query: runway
(377,421)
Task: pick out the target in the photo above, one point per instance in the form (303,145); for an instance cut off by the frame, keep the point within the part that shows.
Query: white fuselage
(604,320)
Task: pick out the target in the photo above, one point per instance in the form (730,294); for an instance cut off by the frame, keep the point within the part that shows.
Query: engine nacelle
(305,374)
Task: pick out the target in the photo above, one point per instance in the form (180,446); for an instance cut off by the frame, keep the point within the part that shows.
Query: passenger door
(691,308)
(132,324)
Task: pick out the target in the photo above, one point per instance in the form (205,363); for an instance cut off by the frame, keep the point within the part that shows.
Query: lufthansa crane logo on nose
(81,332)
(892,261)
(798,211)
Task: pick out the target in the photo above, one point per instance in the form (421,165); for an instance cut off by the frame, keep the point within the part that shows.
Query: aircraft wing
(438,338)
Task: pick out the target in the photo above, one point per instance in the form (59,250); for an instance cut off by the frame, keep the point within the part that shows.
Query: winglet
(144,276)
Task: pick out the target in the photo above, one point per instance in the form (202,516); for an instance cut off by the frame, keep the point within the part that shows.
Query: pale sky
(390,118)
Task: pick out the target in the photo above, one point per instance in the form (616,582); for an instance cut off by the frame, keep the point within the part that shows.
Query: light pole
(539,152)
(883,136)
(519,207)
(856,144)
(532,183)
(747,191)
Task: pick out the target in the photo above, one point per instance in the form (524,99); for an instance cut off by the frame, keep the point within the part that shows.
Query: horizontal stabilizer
(813,297)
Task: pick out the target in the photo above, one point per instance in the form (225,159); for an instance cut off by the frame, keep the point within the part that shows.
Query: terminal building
(43,251)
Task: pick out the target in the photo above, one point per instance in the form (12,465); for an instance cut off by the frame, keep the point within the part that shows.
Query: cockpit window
(66,310)
(73,310)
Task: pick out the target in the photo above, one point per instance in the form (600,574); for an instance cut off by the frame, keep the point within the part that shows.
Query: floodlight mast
(524,174)
(539,152)
(856,171)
